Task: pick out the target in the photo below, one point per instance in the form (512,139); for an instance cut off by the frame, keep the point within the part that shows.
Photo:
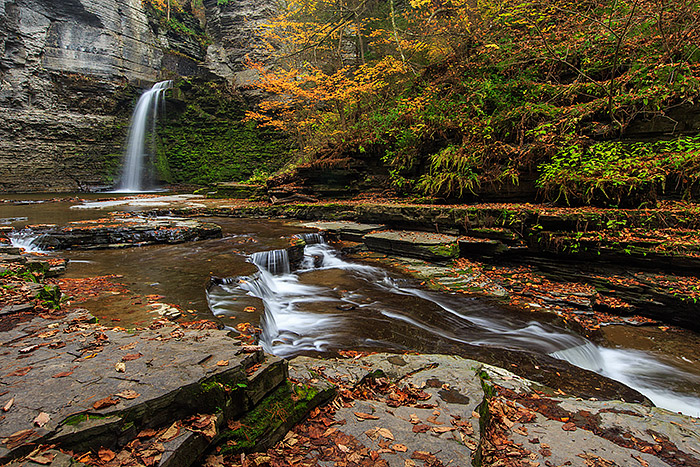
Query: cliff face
(61,69)
(69,73)
(232,26)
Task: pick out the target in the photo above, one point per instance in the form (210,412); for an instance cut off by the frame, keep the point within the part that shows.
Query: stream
(336,303)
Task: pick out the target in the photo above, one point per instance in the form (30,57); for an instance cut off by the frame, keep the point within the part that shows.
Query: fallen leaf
(42,419)
(147,433)
(249,309)
(421,455)
(106,455)
(170,433)
(222,363)
(8,405)
(106,402)
(251,348)
(128,346)
(409,463)
(205,424)
(385,433)
(569,426)
(365,416)
(433,419)
(63,374)
(131,356)
(120,367)
(640,460)
(420,428)
(20,371)
(42,459)
(414,419)
(128,394)
(399,448)
(442,429)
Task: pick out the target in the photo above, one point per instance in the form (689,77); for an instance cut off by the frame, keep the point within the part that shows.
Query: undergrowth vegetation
(595,100)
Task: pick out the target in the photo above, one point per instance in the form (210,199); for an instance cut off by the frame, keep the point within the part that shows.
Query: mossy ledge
(269,421)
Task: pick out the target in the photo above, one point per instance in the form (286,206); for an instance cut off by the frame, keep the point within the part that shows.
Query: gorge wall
(70,72)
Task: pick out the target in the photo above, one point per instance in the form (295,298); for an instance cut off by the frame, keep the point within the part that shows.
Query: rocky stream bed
(178,392)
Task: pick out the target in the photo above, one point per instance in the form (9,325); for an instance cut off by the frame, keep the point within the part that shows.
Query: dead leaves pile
(146,449)
(496,446)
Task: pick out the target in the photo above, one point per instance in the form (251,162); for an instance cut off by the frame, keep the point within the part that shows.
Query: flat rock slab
(346,230)
(69,381)
(121,232)
(472,409)
(443,423)
(423,245)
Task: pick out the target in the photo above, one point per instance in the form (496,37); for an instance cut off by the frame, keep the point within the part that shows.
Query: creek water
(331,302)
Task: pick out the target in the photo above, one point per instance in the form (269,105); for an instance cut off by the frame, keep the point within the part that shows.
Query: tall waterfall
(143,119)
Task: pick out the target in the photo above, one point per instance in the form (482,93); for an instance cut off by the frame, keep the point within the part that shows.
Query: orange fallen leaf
(42,459)
(569,426)
(106,455)
(147,433)
(421,428)
(222,363)
(106,402)
(8,405)
(131,356)
(399,448)
(20,371)
(365,416)
(63,374)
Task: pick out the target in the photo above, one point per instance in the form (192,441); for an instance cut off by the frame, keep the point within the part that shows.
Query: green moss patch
(274,415)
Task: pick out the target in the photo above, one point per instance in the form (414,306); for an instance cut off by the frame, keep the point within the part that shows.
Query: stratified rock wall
(234,28)
(61,67)
(70,71)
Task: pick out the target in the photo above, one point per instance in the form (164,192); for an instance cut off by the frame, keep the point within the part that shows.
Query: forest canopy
(460,96)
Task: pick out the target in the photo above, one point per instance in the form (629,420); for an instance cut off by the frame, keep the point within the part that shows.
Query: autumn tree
(464,94)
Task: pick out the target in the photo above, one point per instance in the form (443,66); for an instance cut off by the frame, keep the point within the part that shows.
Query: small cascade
(134,176)
(28,240)
(275,261)
(314,238)
(586,356)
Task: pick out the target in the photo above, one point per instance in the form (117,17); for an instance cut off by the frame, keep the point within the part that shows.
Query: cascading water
(330,303)
(134,177)
(275,261)
(28,240)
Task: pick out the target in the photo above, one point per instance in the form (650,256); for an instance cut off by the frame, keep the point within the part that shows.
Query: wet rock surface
(444,410)
(79,385)
(121,232)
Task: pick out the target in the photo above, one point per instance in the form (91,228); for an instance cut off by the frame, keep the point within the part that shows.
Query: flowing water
(330,303)
(135,177)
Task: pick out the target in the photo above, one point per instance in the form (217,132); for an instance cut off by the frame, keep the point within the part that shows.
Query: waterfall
(143,119)
(28,240)
(310,238)
(275,261)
